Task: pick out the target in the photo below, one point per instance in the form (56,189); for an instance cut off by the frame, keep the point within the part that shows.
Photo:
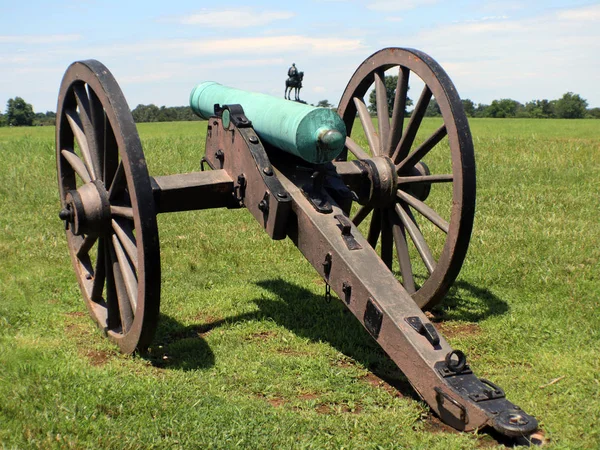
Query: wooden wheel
(435,200)
(107,205)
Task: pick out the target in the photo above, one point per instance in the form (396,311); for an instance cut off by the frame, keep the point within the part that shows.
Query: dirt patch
(308,397)
(261,336)
(97,358)
(337,408)
(323,409)
(346,363)
(276,402)
(76,314)
(453,330)
(290,352)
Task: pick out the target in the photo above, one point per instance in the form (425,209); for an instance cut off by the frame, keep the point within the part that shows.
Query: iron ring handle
(456,366)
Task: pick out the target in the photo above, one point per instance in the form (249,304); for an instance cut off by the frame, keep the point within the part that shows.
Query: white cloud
(235,18)
(586,14)
(38,39)
(319,89)
(261,45)
(399,5)
(535,57)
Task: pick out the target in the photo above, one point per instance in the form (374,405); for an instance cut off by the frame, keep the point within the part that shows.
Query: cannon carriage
(383,212)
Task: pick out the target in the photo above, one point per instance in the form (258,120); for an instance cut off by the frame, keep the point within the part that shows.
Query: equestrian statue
(294,81)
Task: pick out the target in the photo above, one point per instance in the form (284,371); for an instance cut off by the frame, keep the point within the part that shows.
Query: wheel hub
(384,180)
(87,209)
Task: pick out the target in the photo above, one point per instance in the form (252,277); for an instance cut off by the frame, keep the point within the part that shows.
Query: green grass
(248,353)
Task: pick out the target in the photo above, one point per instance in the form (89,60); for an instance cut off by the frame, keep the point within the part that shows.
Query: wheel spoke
(122,211)
(387,244)
(77,165)
(111,154)
(362,213)
(98,117)
(399,109)
(77,128)
(408,280)
(383,112)
(416,156)
(446,178)
(119,182)
(417,237)
(356,149)
(374,228)
(128,273)
(77,242)
(86,244)
(125,310)
(425,210)
(113,317)
(416,117)
(367,123)
(100,275)
(85,116)
(125,234)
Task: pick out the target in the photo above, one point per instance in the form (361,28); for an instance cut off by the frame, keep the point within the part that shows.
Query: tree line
(20,113)
(569,106)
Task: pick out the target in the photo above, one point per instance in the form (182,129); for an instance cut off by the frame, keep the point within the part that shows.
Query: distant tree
(152,113)
(145,113)
(570,106)
(19,112)
(324,104)
(433,109)
(592,113)
(2,120)
(505,107)
(390,88)
(469,107)
(481,110)
(47,118)
(539,109)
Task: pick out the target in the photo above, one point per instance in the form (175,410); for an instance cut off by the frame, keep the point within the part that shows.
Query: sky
(159,50)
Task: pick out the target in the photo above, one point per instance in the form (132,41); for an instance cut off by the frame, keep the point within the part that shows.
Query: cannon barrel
(316,135)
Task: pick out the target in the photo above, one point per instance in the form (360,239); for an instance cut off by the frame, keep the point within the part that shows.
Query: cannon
(383,211)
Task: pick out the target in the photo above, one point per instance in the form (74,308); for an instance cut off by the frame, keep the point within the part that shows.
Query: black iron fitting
(236,115)
(345,225)
(314,191)
(424,329)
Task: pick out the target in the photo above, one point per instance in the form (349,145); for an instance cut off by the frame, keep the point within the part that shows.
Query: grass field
(248,353)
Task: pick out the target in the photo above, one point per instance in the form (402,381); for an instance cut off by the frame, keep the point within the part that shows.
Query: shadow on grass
(183,347)
(312,317)
(468,303)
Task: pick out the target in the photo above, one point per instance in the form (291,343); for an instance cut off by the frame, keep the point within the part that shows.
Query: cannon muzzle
(316,135)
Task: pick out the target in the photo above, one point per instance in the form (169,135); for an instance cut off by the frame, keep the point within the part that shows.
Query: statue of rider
(293,72)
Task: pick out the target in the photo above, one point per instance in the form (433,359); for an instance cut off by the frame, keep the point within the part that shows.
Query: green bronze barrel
(316,135)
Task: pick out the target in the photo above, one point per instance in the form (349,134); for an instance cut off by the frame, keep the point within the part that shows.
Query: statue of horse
(296,84)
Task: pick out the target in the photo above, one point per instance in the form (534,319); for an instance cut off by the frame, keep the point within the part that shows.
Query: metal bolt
(282,195)
(267,171)
(263,205)
(66,214)
(253,139)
